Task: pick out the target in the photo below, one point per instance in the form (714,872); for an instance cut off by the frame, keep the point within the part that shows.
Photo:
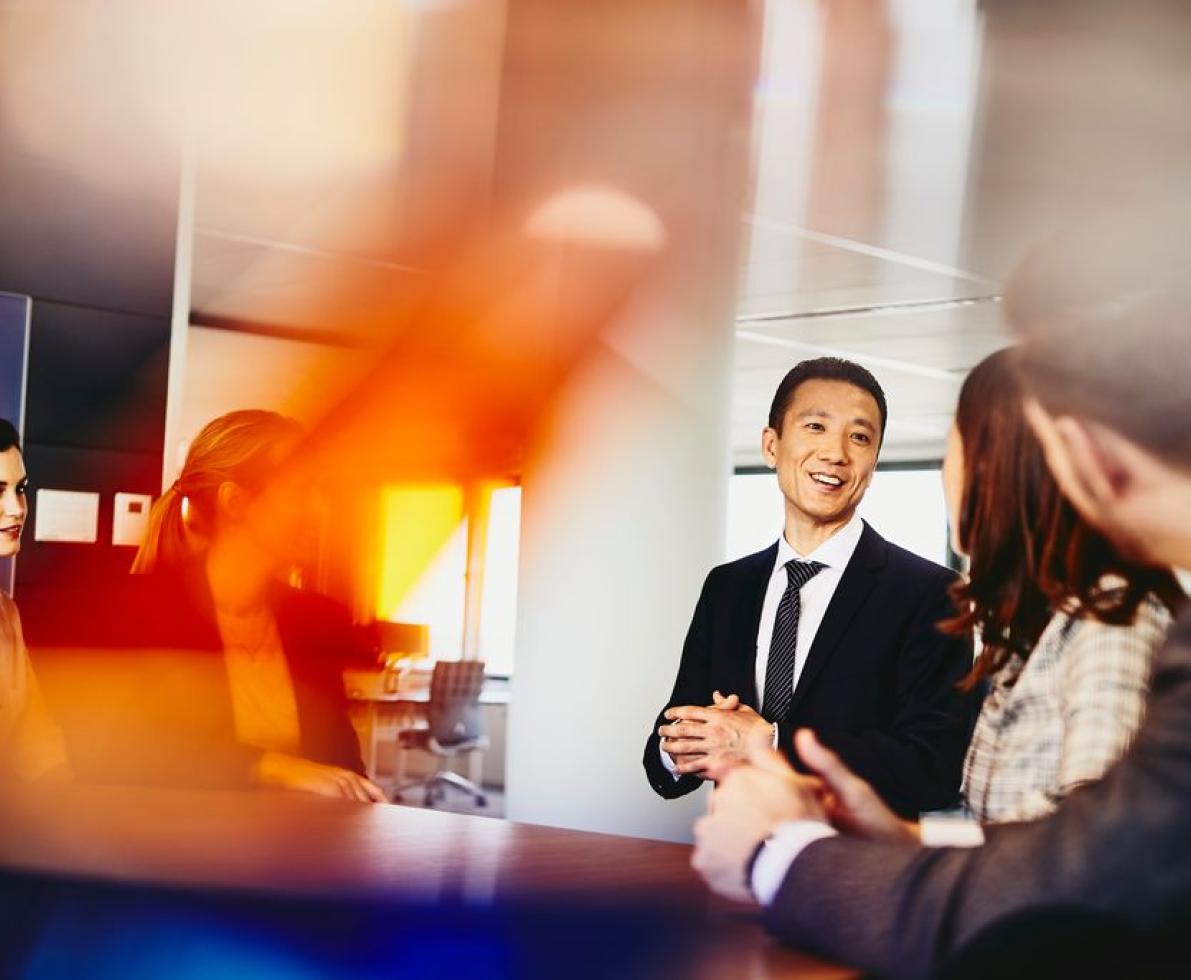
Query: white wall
(226,370)
(622,517)
(624,489)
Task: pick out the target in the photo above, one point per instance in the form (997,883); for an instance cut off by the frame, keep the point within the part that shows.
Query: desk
(382,714)
(223,846)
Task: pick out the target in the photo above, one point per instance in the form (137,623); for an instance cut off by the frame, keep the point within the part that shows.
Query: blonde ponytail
(165,537)
(240,447)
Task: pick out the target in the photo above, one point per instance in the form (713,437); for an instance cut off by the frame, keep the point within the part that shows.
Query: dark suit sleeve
(320,642)
(692,686)
(1118,848)
(916,762)
(342,742)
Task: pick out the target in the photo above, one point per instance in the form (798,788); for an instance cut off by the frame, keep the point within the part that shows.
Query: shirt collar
(835,552)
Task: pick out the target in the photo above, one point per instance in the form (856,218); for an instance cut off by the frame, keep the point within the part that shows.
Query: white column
(175,397)
(623,513)
(624,486)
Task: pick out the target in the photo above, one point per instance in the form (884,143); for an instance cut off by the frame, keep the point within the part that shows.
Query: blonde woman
(219,544)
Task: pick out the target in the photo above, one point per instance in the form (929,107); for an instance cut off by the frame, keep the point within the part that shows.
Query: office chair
(454,729)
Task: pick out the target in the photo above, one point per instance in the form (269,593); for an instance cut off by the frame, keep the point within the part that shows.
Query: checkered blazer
(1063,716)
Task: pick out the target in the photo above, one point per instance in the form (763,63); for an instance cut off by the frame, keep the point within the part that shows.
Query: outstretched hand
(747,806)
(279,770)
(850,803)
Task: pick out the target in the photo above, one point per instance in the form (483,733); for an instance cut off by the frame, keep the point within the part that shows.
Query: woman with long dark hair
(31,745)
(1066,623)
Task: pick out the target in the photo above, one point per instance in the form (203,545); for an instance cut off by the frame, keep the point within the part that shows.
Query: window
(907,507)
(498,603)
(424,567)
(423,572)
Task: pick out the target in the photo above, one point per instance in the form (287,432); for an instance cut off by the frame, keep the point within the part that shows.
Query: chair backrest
(454,712)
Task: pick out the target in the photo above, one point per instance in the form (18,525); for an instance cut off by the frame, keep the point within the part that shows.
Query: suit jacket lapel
(854,586)
(749,599)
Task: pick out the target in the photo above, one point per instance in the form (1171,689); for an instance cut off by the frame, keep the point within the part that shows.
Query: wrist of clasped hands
(754,798)
(703,741)
(830,792)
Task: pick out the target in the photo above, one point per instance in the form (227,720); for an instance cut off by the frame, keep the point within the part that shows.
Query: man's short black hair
(9,437)
(824,369)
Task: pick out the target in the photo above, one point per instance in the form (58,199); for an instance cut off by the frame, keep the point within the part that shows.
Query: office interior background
(531,271)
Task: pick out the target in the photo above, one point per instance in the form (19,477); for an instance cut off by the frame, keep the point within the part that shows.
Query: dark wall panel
(14,315)
(97,379)
(95,421)
(44,563)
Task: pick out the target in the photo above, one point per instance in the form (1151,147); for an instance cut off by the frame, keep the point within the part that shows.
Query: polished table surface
(298,845)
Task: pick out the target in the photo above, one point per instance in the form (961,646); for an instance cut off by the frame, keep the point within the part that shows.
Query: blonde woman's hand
(279,770)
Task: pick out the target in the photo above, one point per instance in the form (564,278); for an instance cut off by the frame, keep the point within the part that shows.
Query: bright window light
(424,562)
(498,606)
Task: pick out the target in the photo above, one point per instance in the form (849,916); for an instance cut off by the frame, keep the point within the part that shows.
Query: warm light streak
(601,216)
(416,523)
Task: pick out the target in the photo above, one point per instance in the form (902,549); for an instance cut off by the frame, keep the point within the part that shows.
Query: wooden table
(261,849)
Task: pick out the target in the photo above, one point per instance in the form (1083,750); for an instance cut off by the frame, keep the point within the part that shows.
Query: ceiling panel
(920,357)
(292,287)
(796,270)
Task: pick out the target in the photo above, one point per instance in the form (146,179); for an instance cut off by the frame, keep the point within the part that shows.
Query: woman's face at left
(953,484)
(13,503)
(282,519)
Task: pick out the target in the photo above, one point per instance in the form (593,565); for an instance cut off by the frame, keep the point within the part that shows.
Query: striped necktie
(779,673)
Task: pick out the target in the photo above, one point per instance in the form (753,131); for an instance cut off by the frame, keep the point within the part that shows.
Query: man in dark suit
(831,627)
(1106,361)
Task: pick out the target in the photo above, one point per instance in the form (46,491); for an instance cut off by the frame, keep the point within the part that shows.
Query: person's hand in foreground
(281,771)
(705,740)
(850,803)
(751,800)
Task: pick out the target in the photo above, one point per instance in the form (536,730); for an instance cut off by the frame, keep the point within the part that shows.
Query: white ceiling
(850,238)
(865,115)
(906,154)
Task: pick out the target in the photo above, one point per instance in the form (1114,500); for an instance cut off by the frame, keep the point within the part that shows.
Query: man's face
(827,449)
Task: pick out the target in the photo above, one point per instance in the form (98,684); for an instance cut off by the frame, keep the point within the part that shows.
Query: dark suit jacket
(135,673)
(1116,850)
(879,681)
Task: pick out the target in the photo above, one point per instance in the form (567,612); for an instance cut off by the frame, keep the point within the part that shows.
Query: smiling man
(831,627)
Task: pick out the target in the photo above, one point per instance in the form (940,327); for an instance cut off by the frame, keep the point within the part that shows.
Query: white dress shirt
(791,838)
(815,597)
